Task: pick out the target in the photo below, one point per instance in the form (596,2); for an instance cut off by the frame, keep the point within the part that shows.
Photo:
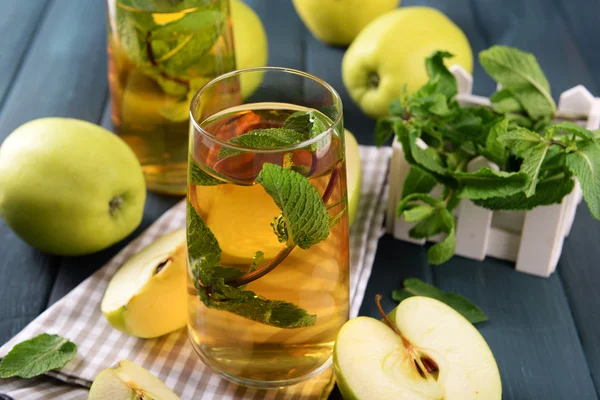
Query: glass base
(166,179)
(259,384)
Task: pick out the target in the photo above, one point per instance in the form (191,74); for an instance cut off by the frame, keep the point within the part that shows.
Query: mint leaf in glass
(37,356)
(305,216)
(262,139)
(246,303)
(416,287)
(198,177)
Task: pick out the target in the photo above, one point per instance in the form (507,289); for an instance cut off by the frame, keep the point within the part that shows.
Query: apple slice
(129,381)
(353,171)
(425,350)
(147,296)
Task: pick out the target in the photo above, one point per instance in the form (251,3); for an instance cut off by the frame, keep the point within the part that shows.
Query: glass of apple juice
(160,52)
(267,226)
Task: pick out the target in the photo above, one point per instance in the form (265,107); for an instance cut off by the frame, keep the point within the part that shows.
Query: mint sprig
(537,159)
(37,356)
(176,54)
(304,222)
(416,287)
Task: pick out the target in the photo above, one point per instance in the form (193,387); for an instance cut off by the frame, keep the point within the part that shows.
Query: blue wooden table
(545,333)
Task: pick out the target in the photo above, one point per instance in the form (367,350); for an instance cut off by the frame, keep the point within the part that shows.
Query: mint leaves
(537,160)
(262,139)
(521,77)
(37,356)
(416,287)
(304,214)
(304,222)
(175,54)
(298,127)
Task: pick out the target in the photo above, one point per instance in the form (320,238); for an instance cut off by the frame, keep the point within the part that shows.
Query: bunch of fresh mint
(176,54)
(536,157)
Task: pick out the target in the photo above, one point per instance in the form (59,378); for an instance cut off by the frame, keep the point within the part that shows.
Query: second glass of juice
(267,227)
(160,53)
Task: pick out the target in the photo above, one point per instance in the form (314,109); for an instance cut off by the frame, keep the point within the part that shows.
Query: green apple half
(374,362)
(129,381)
(69,187)
(353,172)
(147,297)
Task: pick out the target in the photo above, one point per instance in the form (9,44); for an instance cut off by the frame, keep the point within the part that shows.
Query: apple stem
(428,364)
(373,80)
(389,323)
(114,205)
(282,255)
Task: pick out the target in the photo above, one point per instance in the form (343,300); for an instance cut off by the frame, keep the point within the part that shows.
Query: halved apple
(129,381)
(147,297)
(429,352)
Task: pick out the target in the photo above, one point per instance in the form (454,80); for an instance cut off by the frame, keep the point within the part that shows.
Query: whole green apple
(390,53)
(69,187)
(338,22)
(251,47)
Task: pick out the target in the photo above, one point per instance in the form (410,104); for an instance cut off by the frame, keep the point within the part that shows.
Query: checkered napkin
(77,316)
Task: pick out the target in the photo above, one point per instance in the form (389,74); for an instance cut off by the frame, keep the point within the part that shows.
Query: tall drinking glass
(160,53)
(267,227)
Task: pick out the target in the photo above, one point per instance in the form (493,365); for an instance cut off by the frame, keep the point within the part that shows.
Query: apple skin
(353,175)
(337,22)
(250,43)
(158,304)
(394,47)
(58,177)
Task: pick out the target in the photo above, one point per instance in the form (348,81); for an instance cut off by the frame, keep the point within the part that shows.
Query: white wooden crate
(532,239)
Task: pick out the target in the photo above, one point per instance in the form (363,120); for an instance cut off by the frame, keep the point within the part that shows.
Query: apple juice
(239,212)
(160,54)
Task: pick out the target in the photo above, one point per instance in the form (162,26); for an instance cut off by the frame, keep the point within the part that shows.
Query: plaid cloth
(77,316)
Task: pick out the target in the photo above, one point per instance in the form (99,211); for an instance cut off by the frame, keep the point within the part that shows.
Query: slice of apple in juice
(128,381)
(147,296)
(432,352)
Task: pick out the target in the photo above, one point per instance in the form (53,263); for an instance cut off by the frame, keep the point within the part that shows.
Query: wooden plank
(64,74)
(579,270)
(65,71)
(18,23)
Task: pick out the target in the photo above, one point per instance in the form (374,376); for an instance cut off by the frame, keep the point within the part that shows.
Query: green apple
(129,381)
(429,351)
(250,43)
(147,296)
(390,53)
(69,187)
(353,172)
(338,22)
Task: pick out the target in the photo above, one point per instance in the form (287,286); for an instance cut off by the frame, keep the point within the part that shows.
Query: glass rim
(337,101)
